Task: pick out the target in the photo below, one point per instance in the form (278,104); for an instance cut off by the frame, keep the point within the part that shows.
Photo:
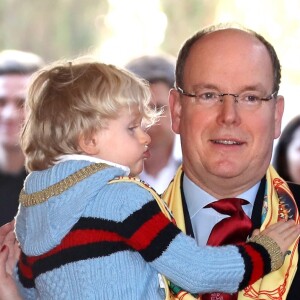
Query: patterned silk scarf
(279,203)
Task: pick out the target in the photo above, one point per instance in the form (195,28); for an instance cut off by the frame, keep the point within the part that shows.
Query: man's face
(227,149)
(12,96)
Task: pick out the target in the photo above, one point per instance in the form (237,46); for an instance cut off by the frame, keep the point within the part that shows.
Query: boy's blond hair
(69,99)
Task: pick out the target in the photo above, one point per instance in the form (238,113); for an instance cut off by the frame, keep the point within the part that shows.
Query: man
(159,71)
(227,111)
(16,68)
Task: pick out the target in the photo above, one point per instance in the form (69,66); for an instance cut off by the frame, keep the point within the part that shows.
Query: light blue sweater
(111,241)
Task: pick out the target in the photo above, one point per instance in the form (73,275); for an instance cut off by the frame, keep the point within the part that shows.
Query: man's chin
(227,171)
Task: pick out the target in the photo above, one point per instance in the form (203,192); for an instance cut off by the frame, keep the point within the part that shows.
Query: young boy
(86,233)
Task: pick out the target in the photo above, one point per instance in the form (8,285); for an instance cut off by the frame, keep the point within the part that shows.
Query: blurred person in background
(286,158)
(159,71)
(16,68)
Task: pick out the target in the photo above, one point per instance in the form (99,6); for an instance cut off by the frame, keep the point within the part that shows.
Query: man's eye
(208,96)
(251,98)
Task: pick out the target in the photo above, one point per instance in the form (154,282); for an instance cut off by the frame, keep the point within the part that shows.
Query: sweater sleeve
(175,255)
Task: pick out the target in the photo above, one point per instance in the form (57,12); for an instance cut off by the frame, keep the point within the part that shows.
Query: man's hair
(154,68)
(186,48)
(67,100)
(19,62)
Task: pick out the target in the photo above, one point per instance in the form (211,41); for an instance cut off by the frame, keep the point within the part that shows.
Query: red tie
(231,230)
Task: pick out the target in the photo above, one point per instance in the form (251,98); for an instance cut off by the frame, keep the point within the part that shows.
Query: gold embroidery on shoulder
(61,186)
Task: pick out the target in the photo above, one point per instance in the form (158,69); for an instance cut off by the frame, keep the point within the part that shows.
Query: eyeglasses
(247,100)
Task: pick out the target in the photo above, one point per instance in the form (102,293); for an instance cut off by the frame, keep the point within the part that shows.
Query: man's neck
(225,188)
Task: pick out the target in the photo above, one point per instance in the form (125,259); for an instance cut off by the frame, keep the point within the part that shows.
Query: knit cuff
(277,257)
(257,262)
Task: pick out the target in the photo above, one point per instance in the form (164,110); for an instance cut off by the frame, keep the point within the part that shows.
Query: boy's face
(124,141)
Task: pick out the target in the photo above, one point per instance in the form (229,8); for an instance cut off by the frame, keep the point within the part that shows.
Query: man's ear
(88,144)
(175,109)
(279,108)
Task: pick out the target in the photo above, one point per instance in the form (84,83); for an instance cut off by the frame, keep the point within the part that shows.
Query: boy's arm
(197,269)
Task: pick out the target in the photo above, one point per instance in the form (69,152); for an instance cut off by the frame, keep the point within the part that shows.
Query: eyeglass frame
(266,99)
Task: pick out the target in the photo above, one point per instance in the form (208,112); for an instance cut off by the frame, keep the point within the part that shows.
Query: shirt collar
(196,198)
(67,157)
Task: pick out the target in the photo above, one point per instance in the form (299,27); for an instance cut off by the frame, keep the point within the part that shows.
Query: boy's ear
(88,144)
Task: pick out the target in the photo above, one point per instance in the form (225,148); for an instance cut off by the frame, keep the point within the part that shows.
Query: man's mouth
(226,142)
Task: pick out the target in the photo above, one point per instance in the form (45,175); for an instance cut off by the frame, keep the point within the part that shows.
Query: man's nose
(228,111)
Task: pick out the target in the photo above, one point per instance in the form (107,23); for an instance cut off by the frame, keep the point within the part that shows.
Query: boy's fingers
(281,226)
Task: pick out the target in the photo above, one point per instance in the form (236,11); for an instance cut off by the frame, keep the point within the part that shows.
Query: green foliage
(53,29)
(185,17)
(57,29)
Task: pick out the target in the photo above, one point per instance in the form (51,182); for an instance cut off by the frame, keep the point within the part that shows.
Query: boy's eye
(133,127)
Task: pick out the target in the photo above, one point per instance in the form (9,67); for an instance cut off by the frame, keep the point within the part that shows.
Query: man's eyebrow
(252,87)
(255,87)
(205,86)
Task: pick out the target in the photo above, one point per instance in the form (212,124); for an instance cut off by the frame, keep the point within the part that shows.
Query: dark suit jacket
(294,292)
(10,188)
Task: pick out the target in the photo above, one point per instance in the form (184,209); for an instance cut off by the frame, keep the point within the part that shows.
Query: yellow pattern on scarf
(276,284)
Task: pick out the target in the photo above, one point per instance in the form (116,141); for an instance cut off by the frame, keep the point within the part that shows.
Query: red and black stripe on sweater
(147,231)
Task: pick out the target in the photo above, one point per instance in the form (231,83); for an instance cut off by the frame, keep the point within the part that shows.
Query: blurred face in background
(12,97)
(293,157)
(161,133)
